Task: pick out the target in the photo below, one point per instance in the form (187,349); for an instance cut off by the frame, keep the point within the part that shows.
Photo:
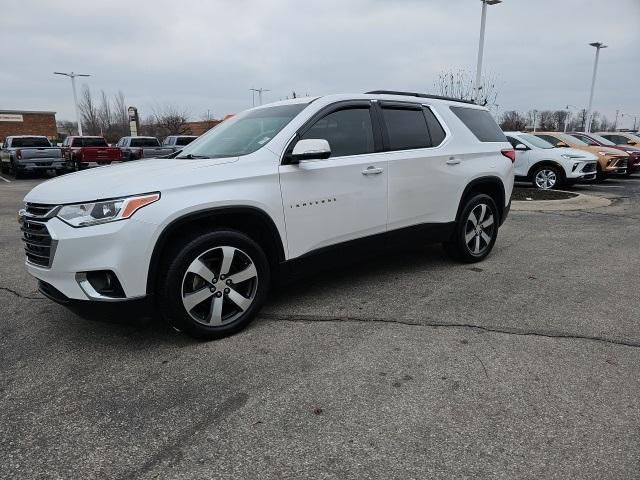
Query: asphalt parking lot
(406,366)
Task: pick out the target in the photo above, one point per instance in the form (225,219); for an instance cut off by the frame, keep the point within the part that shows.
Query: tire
(220,308)
(4,167)
(600,175)
(546,177)
(469,244)
(17,174)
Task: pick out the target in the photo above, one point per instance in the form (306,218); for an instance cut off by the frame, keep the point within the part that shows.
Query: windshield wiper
(191,156)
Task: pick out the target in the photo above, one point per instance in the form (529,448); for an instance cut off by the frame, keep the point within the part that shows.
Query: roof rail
(421,95)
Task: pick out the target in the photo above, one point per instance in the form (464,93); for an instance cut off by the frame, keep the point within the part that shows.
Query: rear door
(344,197)
(420,170)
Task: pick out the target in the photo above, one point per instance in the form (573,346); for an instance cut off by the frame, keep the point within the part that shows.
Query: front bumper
(581,171)
(123,311)
(123,247)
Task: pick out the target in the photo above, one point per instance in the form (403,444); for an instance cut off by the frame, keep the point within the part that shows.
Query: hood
(580,154)
(595,149)
(119,180)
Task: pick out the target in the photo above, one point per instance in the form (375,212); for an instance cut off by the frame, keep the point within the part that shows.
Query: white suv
(203,235)
(547,167)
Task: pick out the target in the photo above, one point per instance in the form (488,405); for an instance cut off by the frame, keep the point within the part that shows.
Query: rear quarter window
(481,124)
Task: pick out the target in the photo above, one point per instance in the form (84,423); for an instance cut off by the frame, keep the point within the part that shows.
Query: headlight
(568,156)
(605,153)
(94,213)
(630,152)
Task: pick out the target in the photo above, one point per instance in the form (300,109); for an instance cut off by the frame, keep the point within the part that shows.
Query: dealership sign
(8,117)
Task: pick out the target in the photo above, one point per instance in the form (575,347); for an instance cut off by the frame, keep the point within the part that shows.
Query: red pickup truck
(84,152)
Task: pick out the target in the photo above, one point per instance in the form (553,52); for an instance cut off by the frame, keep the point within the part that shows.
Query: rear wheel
(15,171)
(546,177)
(4,167)
(214,285)
(476,230)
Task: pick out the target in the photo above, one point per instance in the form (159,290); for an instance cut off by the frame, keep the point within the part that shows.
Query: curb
(581,202)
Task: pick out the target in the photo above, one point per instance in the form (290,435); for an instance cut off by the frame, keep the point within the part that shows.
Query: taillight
(510,153)
(18,154)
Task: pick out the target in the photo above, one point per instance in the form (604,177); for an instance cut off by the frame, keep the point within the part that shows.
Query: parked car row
(553,159)
(30,153)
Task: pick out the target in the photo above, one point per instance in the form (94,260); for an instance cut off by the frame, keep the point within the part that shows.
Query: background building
(22,122)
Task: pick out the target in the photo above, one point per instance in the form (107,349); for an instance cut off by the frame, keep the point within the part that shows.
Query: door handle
(453,161)
(372,170)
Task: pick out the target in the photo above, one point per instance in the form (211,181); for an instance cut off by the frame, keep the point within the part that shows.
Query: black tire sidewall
(459,245)
(169,290)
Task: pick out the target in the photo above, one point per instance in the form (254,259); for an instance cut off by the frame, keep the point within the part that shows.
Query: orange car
(610,160)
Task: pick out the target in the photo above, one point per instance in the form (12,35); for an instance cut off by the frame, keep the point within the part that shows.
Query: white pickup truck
(29,153)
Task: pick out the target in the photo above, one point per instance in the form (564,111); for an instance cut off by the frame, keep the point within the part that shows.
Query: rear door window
(407,128)
(481,124)
(435,129)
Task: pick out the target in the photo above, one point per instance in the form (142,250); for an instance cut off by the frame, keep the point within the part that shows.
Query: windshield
(570,140)
(535,141)
(35,142)
(585,139)
(243,134)
(602,140)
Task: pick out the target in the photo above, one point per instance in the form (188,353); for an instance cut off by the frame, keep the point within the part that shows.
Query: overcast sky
(205,55)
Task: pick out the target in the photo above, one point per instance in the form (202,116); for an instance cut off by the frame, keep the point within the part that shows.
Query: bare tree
(513,120)
(167,120)
(67,127)
(547,121)
(461,84)
(88,112)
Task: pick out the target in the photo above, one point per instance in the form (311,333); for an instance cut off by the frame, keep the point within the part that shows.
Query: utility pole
(73,76)
(483,21)
(598,46)
(260,92)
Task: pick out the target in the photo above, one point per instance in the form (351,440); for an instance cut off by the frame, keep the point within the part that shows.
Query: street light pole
(483,21)
(260,91)
(73,76)
(598,46)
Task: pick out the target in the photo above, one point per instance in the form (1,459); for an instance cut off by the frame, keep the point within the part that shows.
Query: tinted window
(513,141)
(481,124)
(35,142)
(93,142)
(349,132)
(76,142)
(552,140)
(145,142)
(617,139)
(184,140)
(407,129)
(435,129)
(585,139)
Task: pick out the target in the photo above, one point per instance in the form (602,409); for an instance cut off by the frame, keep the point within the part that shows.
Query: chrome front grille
(39,247)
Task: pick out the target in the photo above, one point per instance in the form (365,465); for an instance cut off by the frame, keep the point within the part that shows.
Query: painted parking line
(2,178)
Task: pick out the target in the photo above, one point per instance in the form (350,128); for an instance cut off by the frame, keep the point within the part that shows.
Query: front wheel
(476,230)
(214,285)
(547,177)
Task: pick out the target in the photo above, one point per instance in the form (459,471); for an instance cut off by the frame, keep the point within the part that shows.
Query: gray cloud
(206,55)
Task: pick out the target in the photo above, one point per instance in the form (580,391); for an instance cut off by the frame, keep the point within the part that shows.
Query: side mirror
(521,147)
(311,149)
(632,142)
(561,145)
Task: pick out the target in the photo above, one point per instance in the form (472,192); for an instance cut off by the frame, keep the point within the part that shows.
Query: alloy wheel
(479,229)
(219,286)
(546,179)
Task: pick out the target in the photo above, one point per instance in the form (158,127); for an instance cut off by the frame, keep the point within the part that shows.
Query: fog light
(100,284)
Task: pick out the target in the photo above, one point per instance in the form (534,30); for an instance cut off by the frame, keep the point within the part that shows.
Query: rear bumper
(44,164)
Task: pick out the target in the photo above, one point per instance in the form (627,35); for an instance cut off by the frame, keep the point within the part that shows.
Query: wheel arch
(252,221)
(547,163)
(489,185)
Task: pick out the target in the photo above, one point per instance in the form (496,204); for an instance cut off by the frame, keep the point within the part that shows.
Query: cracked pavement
(404,366)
